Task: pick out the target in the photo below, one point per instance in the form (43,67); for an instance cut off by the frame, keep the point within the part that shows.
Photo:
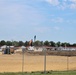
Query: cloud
(16,14)
(43,29)
(53,2)
(57,20)
(21,19)
(64,4)
(74,1)
(57,28)
(73,6)
(10,14)
(68,4)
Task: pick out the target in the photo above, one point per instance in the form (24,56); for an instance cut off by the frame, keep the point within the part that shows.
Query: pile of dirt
(62,53)
(58,53)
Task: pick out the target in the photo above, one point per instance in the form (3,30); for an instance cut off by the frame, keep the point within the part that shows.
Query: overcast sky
(52,20)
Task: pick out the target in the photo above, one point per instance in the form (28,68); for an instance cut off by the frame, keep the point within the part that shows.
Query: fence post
(23,50)
(44,49)
(67,63)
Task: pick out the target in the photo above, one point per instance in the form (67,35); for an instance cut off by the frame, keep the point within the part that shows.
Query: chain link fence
(29,61)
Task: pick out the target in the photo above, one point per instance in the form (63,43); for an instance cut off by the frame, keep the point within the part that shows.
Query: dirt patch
(13,63)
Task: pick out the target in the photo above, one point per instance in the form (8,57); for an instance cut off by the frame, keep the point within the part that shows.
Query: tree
(0,43)
(65,44)
(15,43)
(74,45)
(21,43)
(52,43)
(46,43)
(3,43)
(8,43)
(58,43)
(26,43)
(42,43)
(37,43)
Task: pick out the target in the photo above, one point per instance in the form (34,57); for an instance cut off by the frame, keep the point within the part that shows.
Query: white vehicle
(3,47)
(31,48)
(39,49)
(0,50)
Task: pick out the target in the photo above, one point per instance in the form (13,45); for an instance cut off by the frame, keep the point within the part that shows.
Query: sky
(52,20)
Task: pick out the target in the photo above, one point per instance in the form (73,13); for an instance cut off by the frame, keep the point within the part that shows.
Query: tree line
(37,43)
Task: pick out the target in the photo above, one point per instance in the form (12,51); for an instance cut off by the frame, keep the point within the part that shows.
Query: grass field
(42,73)
(13,63)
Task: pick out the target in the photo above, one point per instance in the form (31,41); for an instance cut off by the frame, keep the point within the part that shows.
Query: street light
(23,50)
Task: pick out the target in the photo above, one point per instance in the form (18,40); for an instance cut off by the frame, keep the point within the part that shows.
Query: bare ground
(13,63)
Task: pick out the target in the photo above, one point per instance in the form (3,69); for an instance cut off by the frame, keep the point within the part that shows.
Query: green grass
(42,73)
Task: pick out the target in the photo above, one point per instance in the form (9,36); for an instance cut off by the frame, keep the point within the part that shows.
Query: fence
(35,61)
